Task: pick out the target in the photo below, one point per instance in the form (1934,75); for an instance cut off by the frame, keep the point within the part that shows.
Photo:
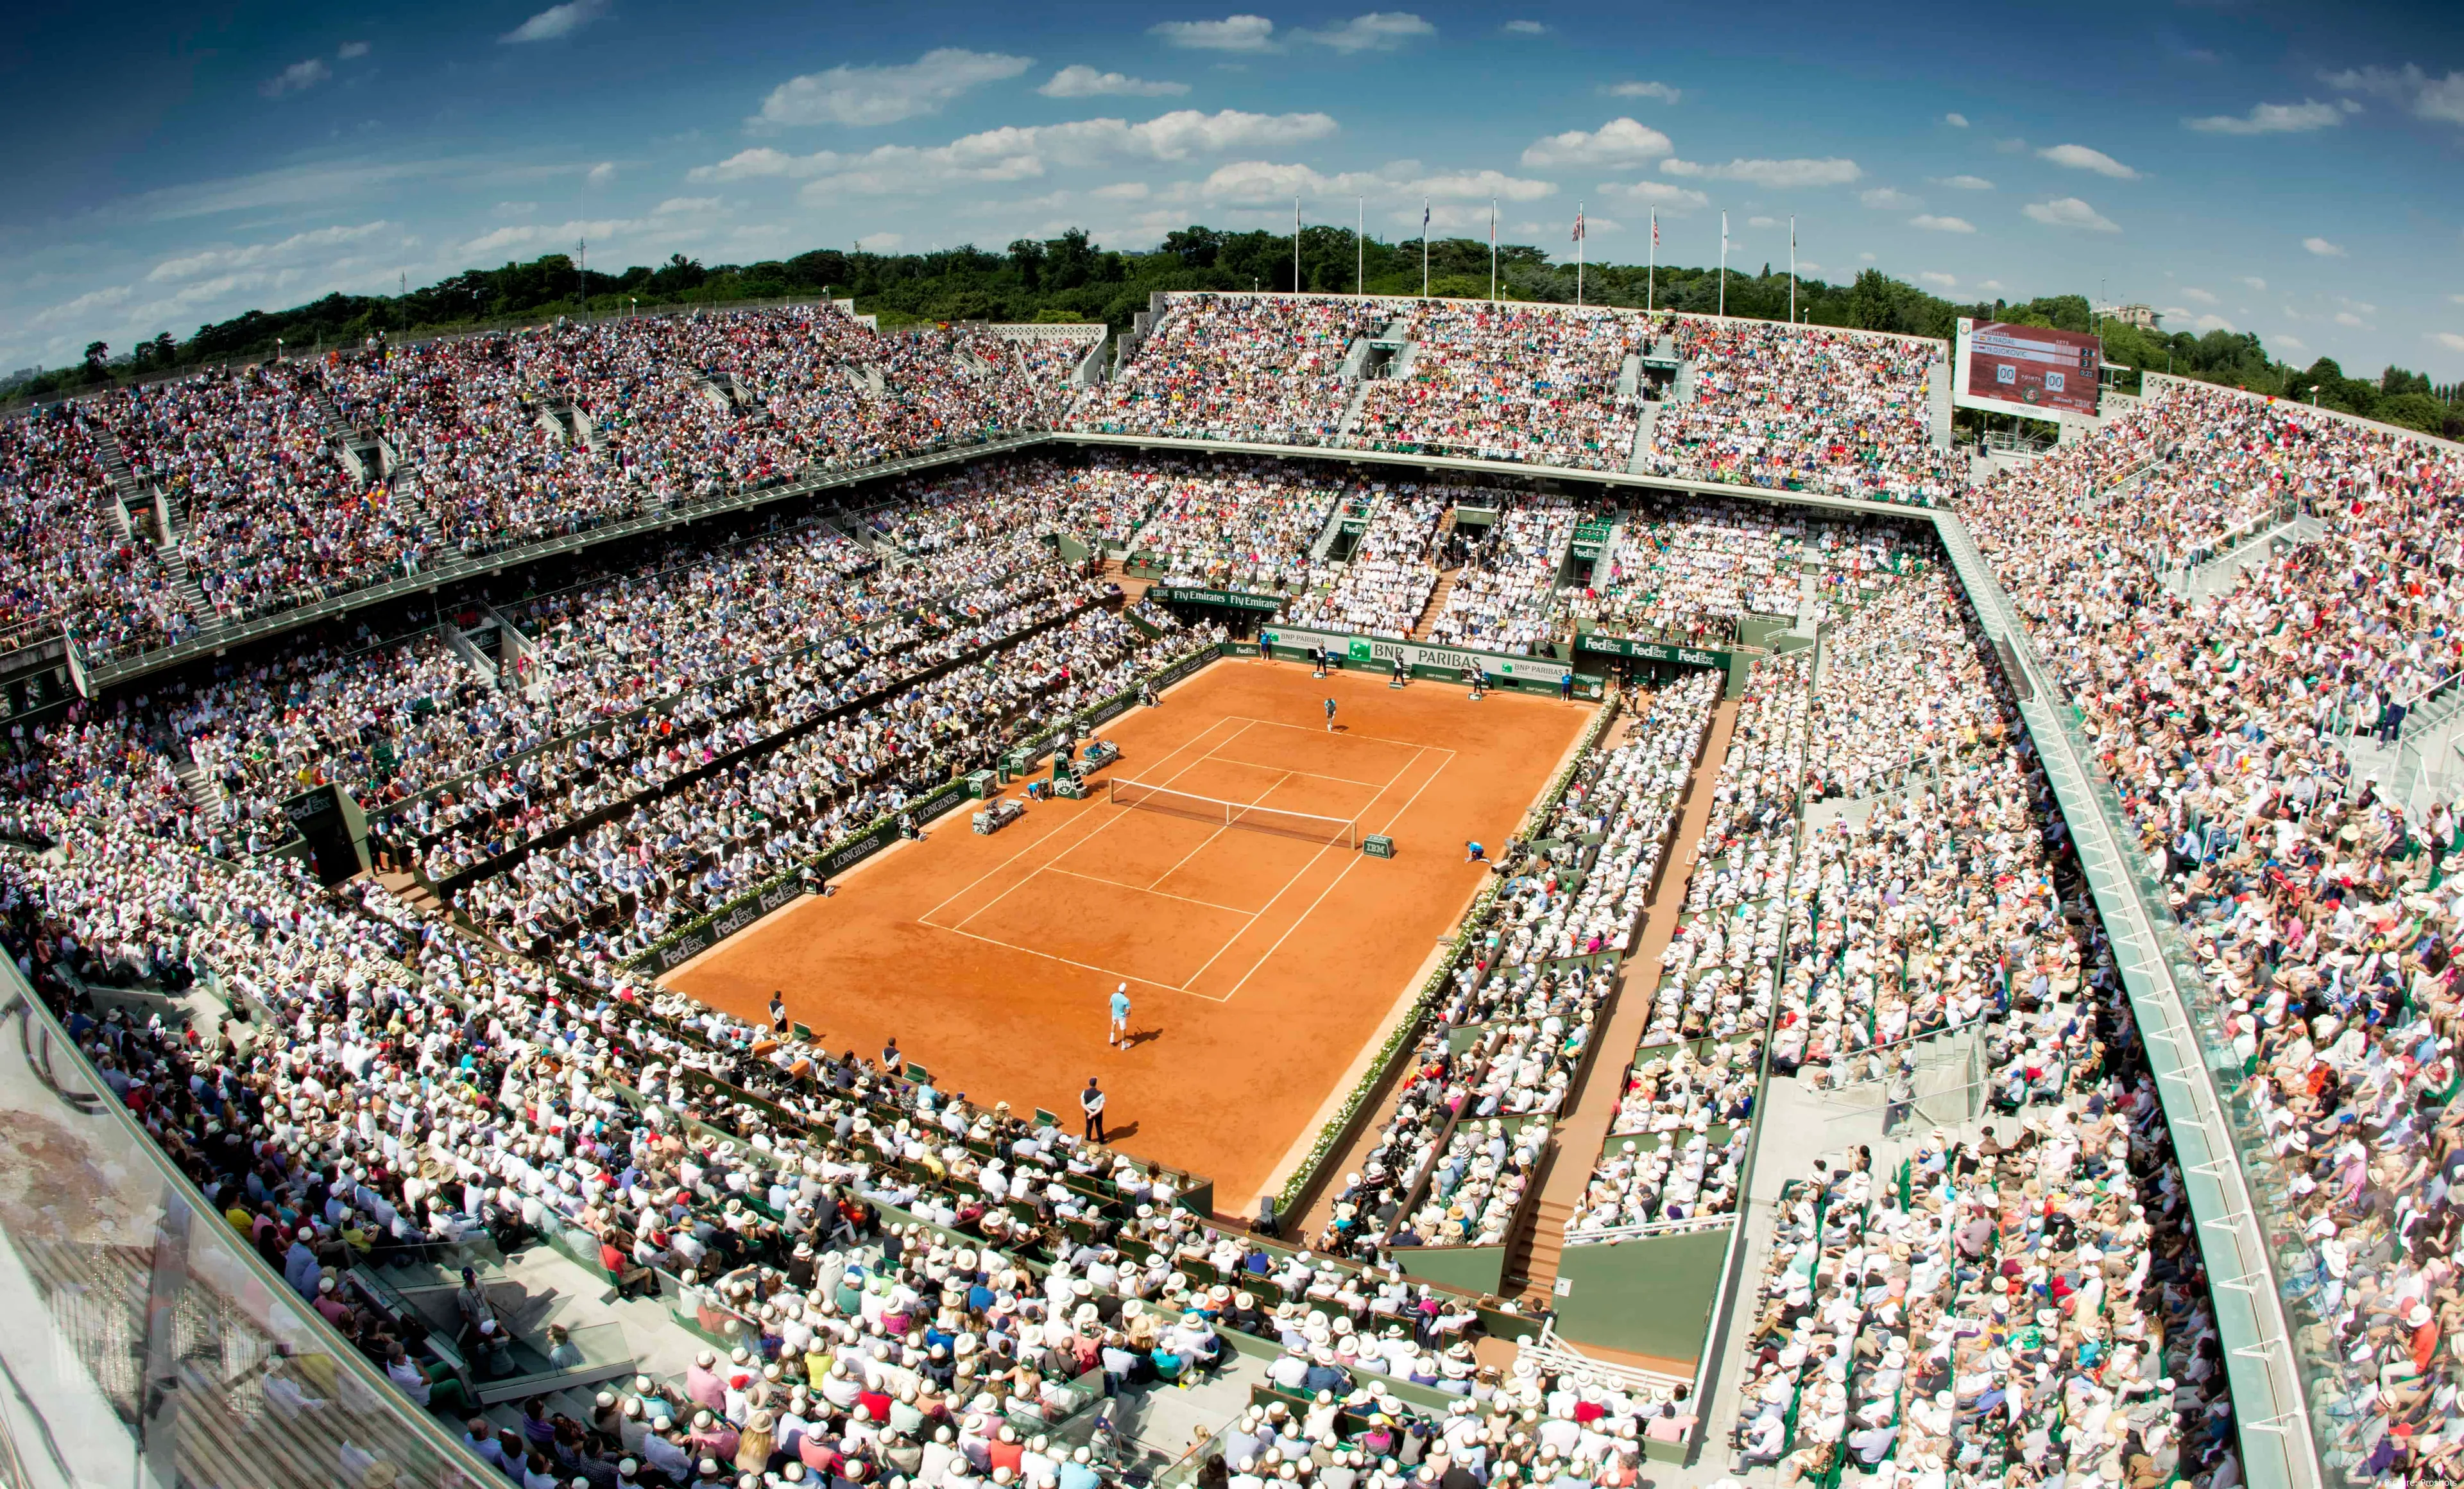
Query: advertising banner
(1376,652)
(1222,599)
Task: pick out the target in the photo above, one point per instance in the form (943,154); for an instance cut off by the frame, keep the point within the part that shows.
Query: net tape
(1309,827)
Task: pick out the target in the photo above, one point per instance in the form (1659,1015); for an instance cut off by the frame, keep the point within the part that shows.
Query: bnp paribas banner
(1372,651)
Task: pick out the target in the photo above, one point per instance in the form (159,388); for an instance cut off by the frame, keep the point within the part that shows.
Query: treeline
(1071,277)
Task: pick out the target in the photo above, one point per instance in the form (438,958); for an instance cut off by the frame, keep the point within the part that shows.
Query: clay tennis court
(1261,964)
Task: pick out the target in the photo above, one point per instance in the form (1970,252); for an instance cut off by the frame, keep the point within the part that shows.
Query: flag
(1425,214)
(1654,227)
(1723,232)
(1579,225)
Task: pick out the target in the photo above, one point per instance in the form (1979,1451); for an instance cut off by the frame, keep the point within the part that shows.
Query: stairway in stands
(1531,1264)
(1436,605)
(200,788)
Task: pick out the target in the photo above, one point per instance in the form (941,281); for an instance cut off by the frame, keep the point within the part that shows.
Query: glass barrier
(147,1345)
(2333,1395)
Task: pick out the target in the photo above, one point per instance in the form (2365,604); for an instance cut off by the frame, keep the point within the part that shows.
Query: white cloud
(1933,224)
(2448,339)
(1379,30)
(880,242)
(1865,258)
(1936,276)
(557,21)
(297,77)
(351,51)
(2079,157)
(1232,34)
(1523,29)
(516,209)
(675,204)
(563,235)
(2295,342)
(1674,200)
(2440,99)
(1620,142)
(1808,266)
(1994,286)
(1888,198)
(1018,152)
(1259,181)
(1078,81)
(224,261)
(2215,322)
(2069,211)
(601,174)
(1642,90)
(1955,121)
(2323,248)
(2347,318)
(2203,297)
(2272,119)
(1965,183)
(1123,191)
(886,94)
(1832,170)
(1762,222)
(2253,281)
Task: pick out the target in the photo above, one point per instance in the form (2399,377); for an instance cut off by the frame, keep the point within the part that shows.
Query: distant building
(2140,316)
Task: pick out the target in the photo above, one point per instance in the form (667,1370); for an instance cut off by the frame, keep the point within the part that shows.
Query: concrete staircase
(1436,605)
(1938,404)
(1649,410)
(1531,1266)
(201,790)
(1351,410)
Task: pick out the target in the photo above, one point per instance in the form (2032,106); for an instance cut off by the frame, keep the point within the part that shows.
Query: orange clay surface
(1259,965)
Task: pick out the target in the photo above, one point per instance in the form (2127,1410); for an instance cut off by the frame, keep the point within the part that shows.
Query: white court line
(1346,734)
(1045,842)
(1330,888)
(1312,863)
(1220,830)
(1315,775)
(1088,966)
(1094,879)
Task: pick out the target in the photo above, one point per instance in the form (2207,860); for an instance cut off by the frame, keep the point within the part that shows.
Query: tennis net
(1309,827)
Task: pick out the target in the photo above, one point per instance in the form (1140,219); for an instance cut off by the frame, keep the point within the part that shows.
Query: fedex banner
(1370,651)
(2027,369)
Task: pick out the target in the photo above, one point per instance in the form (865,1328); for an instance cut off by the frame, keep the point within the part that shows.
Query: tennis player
(1120,1034)
(1329,716)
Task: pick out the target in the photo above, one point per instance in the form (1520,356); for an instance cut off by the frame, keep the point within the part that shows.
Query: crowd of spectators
(268,515)
(1497,382)
(1237,524)
(2312,889)
(1259,369)
(1504,596)
(74,555)
(1688,571)
(1386,582)
(1804,408)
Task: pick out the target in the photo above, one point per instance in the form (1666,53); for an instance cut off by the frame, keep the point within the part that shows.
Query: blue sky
(2295,170)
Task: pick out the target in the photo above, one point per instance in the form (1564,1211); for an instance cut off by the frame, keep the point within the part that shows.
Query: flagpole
(1724,263)
(1359,253)
(1492,251)
(1425,248)
(1792,271)
(1579,256)
(1296,245)
(1651,283)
